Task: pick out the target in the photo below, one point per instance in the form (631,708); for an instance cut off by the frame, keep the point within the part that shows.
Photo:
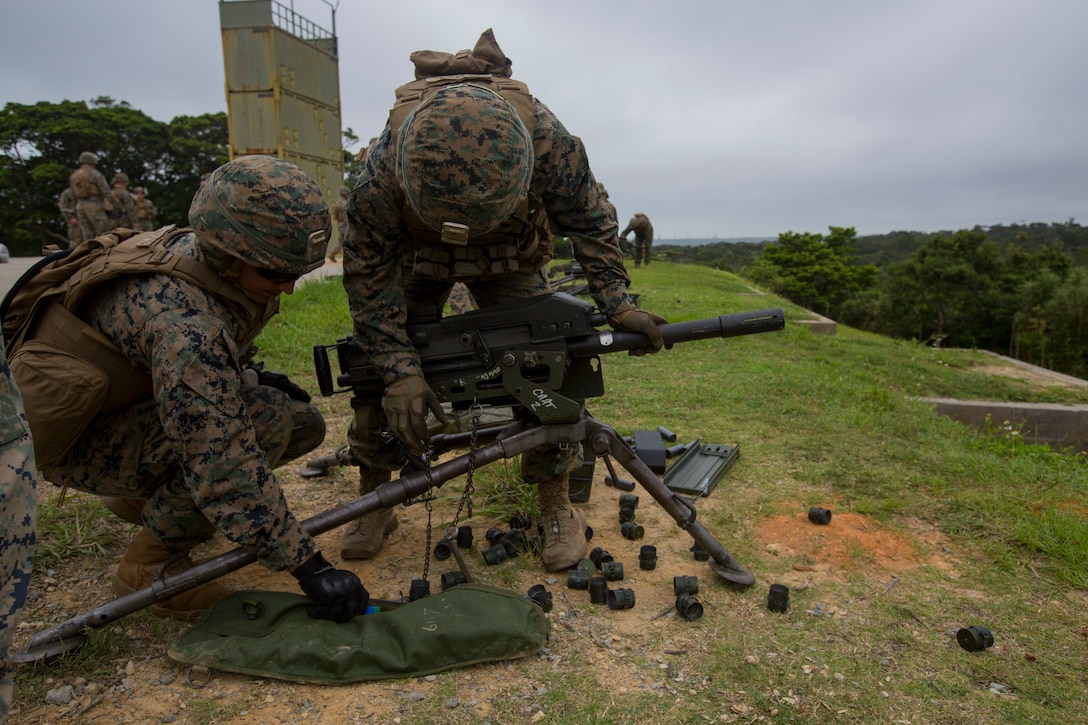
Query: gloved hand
(337,593)
(255,374)
(633,319)
(281,382)
(406,404)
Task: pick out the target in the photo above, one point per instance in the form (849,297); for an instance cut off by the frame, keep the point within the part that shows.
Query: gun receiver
(541,352)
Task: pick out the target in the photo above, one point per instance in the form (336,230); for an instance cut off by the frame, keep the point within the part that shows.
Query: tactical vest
(83,185)
(67,370)
(521,243)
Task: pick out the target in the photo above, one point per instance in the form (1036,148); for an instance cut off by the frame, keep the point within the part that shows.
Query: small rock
(167,679)
(171,717)
(59,695)
(452,703)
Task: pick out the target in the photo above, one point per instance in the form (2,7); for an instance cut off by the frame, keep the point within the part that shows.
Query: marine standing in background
(145,210)
(93,196)
(18,505)
(67,205)
(125,214)
(190,432)
(644,237)
(343,229)
(468,182)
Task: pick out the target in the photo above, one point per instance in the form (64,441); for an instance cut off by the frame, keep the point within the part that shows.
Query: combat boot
(365,535)
(140,566)
(564,528)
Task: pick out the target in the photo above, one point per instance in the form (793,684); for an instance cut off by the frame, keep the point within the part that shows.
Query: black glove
(281,382)
(337,593)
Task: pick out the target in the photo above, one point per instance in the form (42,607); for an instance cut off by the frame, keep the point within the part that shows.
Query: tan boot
(140,566)
(564,528)
(365,535)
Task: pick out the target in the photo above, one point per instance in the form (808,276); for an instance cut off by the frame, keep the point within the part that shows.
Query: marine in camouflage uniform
(93,196)
(145,210)
(343,229)
(67,205)
(464,167)
(18,503)
(124,214)
(644,237)
(201,451)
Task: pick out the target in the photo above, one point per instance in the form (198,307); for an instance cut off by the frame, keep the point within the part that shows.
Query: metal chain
(427,505)
(473,443)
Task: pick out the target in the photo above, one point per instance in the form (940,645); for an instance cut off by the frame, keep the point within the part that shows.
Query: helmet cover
(464,156)
(264,211)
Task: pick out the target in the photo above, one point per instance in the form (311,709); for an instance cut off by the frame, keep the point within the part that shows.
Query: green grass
(827,420)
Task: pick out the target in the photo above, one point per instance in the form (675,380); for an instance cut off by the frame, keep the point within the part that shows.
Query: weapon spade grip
(321,367)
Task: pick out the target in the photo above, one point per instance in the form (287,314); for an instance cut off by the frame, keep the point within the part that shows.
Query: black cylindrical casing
(778,598)
(464,537)
(685,585)
(621,598)
(539,594)
(647,558)
(598,589)
(612,570)
(819,515)
(418,589)
(688,607)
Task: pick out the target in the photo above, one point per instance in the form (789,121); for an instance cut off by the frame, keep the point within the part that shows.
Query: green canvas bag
(269,634)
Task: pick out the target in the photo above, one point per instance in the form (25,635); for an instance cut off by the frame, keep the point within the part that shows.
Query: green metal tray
(700,467)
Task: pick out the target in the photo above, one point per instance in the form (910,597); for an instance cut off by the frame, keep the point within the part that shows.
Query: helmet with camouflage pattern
(119,179)
(263,211)
(464,156)
(88,157)
(344,191)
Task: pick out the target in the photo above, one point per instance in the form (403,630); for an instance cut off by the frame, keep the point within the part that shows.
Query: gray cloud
(715,118)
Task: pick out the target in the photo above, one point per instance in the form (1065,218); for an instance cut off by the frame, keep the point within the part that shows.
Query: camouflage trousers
(364,434)
(75,235)
(92,217)
(18,505)
(642,252)
(128,454)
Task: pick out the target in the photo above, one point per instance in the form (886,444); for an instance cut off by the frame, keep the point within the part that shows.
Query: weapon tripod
(507,442)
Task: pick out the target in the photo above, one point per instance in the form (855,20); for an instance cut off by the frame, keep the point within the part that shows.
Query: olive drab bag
(67,371)
(270,634)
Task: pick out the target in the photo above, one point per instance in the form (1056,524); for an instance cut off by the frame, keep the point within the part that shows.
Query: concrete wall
(1061,426)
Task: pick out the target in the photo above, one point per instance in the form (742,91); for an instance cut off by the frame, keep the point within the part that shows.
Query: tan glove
(636,320)
(406,404)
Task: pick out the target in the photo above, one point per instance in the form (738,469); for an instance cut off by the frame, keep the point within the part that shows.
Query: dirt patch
(850,542)
(1032,376)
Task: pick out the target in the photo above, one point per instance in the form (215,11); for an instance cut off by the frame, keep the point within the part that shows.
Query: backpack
(67,371)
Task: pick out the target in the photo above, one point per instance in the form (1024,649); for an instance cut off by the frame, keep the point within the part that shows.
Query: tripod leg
(604,439)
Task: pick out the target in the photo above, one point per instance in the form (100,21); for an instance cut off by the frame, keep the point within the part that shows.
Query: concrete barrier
(1060,426)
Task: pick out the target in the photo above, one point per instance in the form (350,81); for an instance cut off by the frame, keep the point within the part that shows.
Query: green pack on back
(270,634)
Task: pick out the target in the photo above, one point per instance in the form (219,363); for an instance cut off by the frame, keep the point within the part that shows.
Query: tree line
(1012,295)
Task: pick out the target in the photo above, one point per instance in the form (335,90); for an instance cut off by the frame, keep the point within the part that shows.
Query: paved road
(11,271)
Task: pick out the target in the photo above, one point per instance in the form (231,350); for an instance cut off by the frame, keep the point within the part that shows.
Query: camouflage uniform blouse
(374,261)
(189,342)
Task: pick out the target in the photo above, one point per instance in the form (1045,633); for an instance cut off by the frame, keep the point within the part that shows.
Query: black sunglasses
(278,277)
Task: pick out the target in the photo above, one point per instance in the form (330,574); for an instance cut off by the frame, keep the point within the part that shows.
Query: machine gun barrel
(734,325)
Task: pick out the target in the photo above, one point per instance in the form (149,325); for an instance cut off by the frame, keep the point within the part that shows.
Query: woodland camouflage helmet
(344,191)
(464,156)
(119,179)
(88,158)
(263,211)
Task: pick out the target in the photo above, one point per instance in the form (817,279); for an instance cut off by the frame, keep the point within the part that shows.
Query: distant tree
(812,270)
(40,146)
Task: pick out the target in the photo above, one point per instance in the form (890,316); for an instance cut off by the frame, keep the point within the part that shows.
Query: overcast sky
(717,118)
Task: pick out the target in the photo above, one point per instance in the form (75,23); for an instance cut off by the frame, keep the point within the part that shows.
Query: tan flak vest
(523,242)
(69,372)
